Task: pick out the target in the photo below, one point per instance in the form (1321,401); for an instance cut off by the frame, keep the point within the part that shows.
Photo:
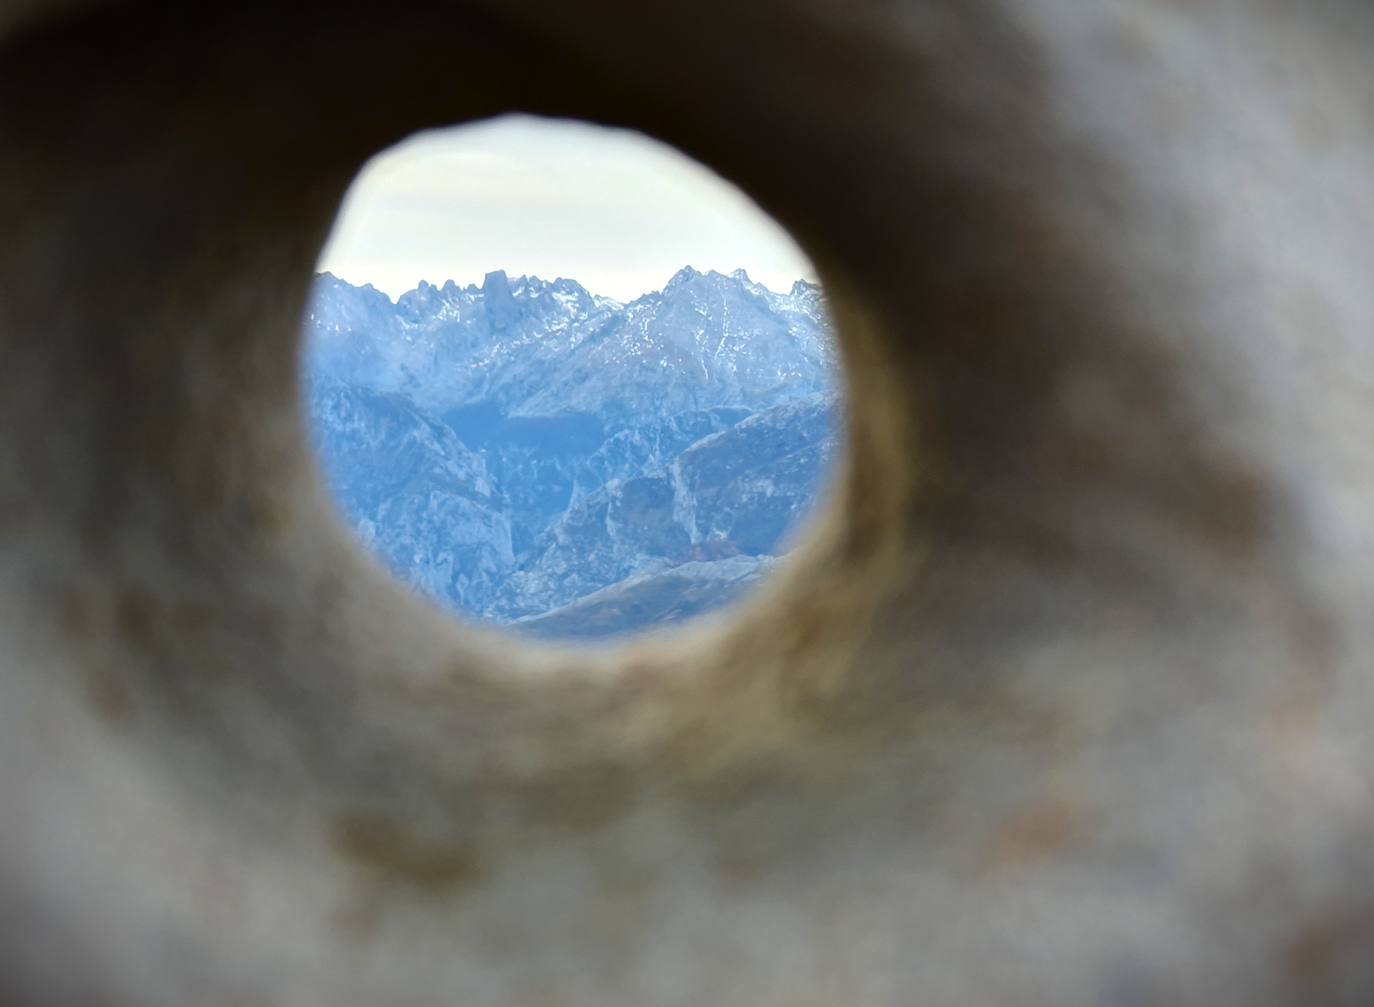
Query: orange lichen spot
(1323,942)
(391,851)
(1035,835)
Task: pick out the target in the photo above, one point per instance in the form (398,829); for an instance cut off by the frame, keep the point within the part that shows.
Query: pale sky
(614,210)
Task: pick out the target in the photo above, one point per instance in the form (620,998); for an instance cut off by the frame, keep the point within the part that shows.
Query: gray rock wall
(1064,701)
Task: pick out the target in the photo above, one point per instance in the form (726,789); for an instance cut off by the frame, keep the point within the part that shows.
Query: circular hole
(565,380)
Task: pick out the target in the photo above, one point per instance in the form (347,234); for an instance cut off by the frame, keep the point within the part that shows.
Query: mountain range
(530,454)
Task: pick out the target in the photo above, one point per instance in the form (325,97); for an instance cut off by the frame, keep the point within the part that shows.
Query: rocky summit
(530,454)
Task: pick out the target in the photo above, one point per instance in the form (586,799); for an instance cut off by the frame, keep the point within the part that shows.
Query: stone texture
(1066,702)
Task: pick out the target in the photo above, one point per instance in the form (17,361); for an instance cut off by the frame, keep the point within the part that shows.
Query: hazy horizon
(658,288)
(613,209)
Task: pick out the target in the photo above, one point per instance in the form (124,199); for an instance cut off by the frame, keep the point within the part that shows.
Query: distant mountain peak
(711,281)
(334,283)
(683,276)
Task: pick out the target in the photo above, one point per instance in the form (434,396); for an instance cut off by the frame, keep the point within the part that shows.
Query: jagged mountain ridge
(512,448)
(536,348)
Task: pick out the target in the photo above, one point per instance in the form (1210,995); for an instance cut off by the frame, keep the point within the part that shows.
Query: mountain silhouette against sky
(527,453)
